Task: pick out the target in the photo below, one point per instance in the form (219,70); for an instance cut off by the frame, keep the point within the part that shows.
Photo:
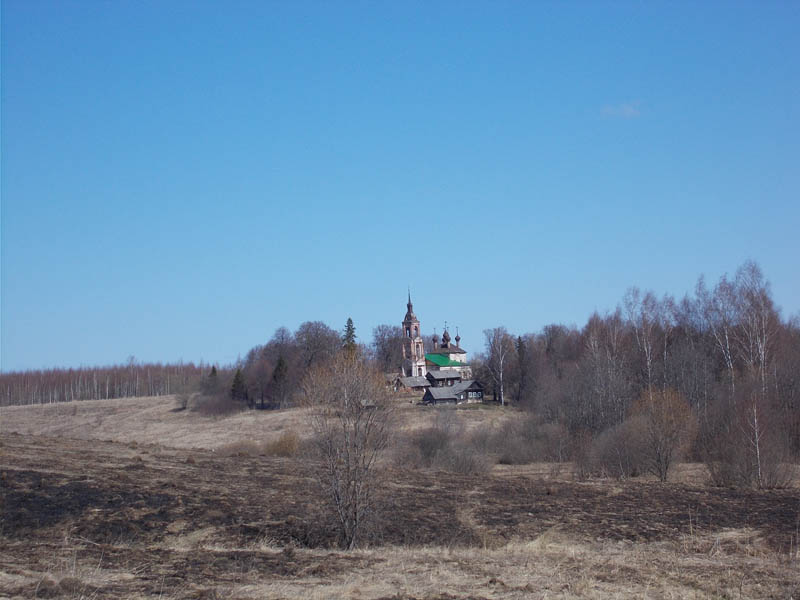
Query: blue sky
(179,179)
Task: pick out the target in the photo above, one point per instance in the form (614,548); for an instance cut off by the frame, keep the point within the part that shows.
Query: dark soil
(123,504)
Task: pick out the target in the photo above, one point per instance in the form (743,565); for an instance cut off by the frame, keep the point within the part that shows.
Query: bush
(530,440)
(462,459)
(240,448)
(183,399)
(665,425)
(219,405)
(430,443)
(287,445)
(444,446)
(618,452)
(731,463)
(745,447)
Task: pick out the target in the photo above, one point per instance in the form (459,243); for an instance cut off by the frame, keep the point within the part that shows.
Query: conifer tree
(211,382)
(238,388)
(349,337)
(280,376)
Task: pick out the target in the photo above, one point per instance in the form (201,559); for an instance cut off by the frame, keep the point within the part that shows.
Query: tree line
(715,374)
(722,359)
(45,386)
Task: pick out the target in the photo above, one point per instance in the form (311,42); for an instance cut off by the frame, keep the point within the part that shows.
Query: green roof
(442,360)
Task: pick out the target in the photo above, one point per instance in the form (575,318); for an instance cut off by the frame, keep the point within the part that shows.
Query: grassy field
(156,420)
(131,499)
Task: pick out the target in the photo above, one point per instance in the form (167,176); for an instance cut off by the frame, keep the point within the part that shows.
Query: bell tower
(413,346)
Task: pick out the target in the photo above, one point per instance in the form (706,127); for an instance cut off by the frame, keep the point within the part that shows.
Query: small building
(443,377)
(415,384)
(464,392)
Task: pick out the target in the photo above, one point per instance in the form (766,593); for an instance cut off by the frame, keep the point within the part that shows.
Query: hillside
(155,420)
(134,499)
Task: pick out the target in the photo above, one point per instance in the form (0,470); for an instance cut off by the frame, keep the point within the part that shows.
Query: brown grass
(287,445)
(155,421)
(175,512)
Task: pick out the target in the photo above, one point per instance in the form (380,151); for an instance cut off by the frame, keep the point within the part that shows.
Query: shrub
(731,463)
(219,405)
(430,443)
(287,445)
(240,448)
(530,440)
(462,459)
(745,447)
(618,452)
(665,425)
(443,446)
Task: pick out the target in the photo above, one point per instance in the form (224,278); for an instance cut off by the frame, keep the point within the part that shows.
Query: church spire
(410,316)
(413,344)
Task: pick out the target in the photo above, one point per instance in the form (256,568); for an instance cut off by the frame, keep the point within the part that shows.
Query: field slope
(135,518)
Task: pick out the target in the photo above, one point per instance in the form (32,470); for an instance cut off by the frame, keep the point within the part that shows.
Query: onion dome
(446,336)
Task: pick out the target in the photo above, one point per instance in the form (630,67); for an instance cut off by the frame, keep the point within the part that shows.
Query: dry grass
(174,512)
(155,421)
(551,566)
(149,421)
(286,445)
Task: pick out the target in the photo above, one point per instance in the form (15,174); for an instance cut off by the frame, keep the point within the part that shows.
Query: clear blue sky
(179,179)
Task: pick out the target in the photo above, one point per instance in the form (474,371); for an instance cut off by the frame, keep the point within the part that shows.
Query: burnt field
(111,520)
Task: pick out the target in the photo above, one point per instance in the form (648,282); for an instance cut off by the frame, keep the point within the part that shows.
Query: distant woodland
(715,371)
(98,383)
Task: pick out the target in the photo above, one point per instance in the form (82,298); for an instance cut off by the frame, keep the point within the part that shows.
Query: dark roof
(416,381)
(440,393)
(449,350)
(469,384)
(452,392)
(444,374)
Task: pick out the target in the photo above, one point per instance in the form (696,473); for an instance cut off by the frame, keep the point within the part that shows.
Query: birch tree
(499,345)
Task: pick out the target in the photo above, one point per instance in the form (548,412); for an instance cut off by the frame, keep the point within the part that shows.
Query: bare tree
(387,347)
(758,321)
(719,312)
(499,345)
(643,316)
(316,342)
(602,364)
(350,415)
(667,422)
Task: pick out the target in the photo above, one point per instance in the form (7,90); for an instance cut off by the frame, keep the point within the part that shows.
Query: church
(442,373)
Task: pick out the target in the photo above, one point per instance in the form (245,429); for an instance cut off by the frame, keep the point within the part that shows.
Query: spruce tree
(280,376)
(209,386)
(349,337)
(238,388)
